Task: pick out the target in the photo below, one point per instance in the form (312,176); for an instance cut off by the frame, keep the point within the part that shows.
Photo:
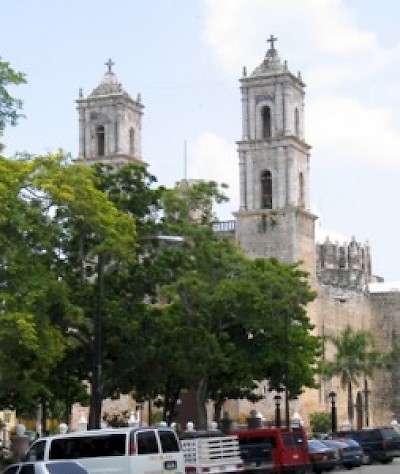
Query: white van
(115,450)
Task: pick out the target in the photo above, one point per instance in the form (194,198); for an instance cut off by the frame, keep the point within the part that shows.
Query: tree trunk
(350,404)
(201,400)
(218,408)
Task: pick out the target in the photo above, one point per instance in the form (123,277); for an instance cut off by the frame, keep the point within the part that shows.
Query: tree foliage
(355,357)
(9,106)
(320,421)
(109,278)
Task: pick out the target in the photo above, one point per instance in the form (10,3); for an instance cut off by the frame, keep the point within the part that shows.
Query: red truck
(273,450)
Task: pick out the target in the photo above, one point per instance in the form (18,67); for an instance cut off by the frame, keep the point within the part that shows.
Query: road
(392,468)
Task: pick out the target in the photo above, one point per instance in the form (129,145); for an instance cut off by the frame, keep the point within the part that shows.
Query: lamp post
(286,374)
(96,396)
(278,399)
(332,396)
(367,393)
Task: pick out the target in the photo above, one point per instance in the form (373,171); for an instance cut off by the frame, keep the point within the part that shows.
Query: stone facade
(110,123)
(281,225)
(274,219)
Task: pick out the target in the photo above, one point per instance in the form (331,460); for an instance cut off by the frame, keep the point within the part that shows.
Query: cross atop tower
(110,64)
(272,40)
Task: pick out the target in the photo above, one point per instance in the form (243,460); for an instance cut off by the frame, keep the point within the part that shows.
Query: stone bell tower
(110,123)
(274,218)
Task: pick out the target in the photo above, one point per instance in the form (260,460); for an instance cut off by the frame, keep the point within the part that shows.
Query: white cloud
(234,28)
(346,129)
(335,27)
(327,32)
(214,158)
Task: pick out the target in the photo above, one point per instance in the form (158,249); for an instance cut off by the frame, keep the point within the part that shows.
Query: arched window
(301,190)
(100,136)
(266,190)
(266,122)
(296,122)
(132,142)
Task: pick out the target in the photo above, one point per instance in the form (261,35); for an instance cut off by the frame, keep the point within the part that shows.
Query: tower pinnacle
(110,63)
(272,40)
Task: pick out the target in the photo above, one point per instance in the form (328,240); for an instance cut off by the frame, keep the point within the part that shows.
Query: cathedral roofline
(109,87)
(271,66)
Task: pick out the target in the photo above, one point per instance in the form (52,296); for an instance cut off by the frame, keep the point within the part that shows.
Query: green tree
(320,421)
(97,236)
(30,344)
(9,106)
(355,356)
(227,308)
(234,326)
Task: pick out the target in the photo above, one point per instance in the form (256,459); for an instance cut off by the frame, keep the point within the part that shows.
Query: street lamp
(278,399)
(367,393)
(332,396)
(286,373)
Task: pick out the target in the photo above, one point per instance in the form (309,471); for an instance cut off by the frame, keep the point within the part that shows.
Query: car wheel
(387,461)
(367,459)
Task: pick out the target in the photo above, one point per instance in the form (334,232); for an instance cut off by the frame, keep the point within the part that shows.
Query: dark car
(322,458)
(349,452)
(378,444)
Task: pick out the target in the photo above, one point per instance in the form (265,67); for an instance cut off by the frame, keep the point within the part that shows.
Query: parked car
(322,458)
(46,467)
(276,450)
(378,444)
(349,453)
(117,450)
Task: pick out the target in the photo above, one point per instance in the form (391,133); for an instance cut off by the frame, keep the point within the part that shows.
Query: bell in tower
(109,123)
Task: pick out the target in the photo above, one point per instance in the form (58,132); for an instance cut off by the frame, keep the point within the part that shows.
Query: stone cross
(110,64)
(272,40)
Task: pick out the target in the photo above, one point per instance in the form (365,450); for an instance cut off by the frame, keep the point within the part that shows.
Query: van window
(36,452)
(169,442)
(147,442)
(88,447)
(388,433)
(288,440)
(27,469)
(261,440)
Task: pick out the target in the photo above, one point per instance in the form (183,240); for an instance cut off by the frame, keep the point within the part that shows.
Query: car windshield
(315,445)
(65,467)
(350,442)
(388,433)
(334,444)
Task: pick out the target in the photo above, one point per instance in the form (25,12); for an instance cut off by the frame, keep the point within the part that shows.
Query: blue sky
(185,58)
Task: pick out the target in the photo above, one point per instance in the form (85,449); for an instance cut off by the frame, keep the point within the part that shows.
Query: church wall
(330,313)
(340,273)
(286,234)
(335,309)
(385,394)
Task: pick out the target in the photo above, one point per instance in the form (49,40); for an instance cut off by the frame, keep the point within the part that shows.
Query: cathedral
(274,219)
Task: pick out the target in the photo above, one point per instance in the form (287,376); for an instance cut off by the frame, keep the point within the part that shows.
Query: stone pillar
(19,443)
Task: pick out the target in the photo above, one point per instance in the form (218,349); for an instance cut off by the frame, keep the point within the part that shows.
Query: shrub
(320,422)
